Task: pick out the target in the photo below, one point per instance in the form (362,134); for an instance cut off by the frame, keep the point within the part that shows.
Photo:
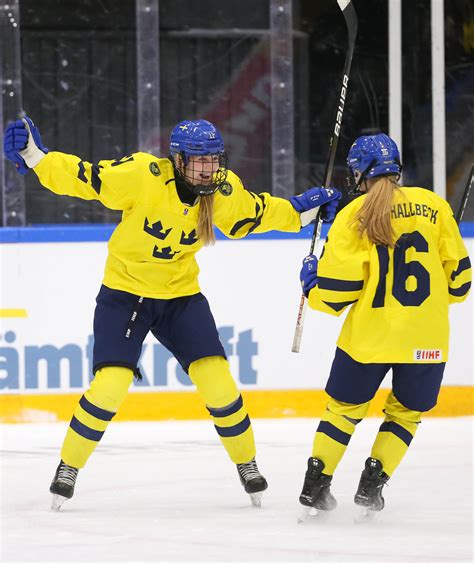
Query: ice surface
(166,491)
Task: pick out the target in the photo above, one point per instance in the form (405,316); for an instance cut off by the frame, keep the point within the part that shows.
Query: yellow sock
(95,410)
(216,386)
(395,434)
(335,430)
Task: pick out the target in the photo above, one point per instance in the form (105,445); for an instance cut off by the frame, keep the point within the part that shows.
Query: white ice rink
(167,492)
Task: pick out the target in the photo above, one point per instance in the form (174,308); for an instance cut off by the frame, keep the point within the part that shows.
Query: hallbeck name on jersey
(410,209)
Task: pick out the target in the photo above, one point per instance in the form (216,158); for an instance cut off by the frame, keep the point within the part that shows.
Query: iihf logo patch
(186,211)
(226,189)
(155,169)
(427,355)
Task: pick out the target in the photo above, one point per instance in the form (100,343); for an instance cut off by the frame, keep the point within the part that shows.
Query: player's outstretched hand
(309,273)
(22,144)
(307,203)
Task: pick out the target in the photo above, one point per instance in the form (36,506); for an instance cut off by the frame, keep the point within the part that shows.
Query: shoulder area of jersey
(156,166)
(425,193)
(351,207)
(230,185)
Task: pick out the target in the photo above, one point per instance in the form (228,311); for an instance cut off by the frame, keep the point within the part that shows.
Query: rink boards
(48,298)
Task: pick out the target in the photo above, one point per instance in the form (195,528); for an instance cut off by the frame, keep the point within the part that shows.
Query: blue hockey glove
(22,144)
(308,202)
(309,273)
(328,211)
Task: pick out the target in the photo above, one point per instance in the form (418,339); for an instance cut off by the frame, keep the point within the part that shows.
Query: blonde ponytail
(205,228)
(374,215)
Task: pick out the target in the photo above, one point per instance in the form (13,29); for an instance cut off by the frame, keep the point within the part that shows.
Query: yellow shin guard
(395,434)
(215,385)
(335,430)
(95,410)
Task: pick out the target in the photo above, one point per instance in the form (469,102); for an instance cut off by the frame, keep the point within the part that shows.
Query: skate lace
(248,470)
(67,474)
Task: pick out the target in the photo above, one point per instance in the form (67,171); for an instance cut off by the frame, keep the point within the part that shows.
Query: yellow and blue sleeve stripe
(464,265)
(333,295)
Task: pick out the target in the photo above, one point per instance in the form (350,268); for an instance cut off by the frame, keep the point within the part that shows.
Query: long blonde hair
(374,215)
(205,228)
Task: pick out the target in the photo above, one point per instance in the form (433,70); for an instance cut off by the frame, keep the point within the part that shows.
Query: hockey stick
(465,197)
(350,17)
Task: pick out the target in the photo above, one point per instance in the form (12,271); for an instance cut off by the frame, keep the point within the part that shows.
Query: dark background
(79,85)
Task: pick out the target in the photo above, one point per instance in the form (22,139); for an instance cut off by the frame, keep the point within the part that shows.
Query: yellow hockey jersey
(399,296)
(152,250)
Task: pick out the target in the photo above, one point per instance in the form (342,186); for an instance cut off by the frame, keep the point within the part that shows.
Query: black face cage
(216,180)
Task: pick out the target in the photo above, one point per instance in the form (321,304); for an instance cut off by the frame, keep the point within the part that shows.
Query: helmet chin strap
(203,189)
(363,176)
(352,187)
(355,183)
(179,172)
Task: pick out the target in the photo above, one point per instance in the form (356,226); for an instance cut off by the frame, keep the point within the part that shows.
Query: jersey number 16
(402,270)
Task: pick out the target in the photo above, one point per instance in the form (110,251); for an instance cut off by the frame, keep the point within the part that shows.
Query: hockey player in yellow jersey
(169,207)
(396,258)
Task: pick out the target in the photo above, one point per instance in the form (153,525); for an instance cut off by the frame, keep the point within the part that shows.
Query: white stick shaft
(299,325)
(351,23)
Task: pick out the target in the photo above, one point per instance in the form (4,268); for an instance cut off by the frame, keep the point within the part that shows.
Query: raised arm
(112,182)
(240,212)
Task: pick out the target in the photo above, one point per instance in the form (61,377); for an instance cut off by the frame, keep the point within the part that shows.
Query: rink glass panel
(80,85)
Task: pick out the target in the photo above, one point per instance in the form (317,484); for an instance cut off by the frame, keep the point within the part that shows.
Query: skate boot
(253,481)
(62,486)
(316,491)
(369,493)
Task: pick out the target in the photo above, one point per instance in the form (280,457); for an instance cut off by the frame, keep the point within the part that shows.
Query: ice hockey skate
(369,497)
(316,496)
(253,481)
(62,486)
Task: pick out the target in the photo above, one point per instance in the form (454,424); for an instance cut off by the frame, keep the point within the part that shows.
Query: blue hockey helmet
(194,138)
(373,155)
(198,138)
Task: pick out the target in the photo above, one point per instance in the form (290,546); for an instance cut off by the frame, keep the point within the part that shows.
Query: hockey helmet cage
(199,138)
